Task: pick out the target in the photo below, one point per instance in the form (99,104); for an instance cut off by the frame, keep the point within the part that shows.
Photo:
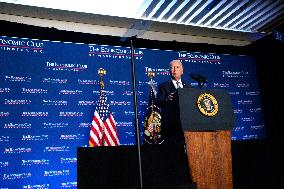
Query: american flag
(103,129)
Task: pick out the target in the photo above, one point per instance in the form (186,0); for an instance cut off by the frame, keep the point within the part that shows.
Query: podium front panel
(193,120)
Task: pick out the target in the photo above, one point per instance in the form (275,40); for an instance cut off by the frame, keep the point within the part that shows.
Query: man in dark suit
(167,100)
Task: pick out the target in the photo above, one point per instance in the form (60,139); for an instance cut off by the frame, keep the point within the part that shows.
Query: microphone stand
(137,29)
(200,84)
(136,114)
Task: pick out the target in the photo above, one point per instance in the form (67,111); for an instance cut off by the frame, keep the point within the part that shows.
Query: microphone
(199,78)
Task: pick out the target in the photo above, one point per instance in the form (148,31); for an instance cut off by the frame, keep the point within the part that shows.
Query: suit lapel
(171,87)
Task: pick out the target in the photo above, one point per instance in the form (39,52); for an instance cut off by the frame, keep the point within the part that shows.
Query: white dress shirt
(175,83)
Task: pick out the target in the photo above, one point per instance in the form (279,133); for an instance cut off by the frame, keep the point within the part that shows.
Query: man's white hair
(175,61)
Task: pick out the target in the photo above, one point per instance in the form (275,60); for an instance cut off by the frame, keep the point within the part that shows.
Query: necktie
(178,84)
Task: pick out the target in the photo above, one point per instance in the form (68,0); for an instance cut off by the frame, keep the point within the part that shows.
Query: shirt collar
(175,83)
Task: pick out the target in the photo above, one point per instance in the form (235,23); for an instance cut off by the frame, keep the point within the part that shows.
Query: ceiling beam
(118,26)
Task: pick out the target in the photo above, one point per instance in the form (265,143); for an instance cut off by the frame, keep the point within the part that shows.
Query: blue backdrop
(48,93)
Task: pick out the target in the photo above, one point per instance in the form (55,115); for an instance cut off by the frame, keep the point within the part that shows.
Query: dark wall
(269,56)
(256,163)
(259,163)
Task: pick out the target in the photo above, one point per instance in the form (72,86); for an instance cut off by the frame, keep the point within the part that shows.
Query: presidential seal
(207,104)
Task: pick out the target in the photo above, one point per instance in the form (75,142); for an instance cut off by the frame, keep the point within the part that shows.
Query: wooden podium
(209,157)
(208,137)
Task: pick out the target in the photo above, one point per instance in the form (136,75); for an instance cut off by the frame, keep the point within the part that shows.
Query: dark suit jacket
(171,126)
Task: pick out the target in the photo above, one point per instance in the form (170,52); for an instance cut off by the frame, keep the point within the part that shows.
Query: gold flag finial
(151,74)
(102,73)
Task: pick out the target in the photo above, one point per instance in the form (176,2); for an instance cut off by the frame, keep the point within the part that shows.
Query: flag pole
(136,115)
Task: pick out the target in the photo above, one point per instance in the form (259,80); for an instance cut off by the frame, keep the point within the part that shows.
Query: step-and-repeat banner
(48,94)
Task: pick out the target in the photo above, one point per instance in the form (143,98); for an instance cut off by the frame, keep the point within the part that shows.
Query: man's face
(176,70)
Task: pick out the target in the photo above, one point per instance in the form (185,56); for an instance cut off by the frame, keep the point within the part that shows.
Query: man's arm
(164,95)
(161,95)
